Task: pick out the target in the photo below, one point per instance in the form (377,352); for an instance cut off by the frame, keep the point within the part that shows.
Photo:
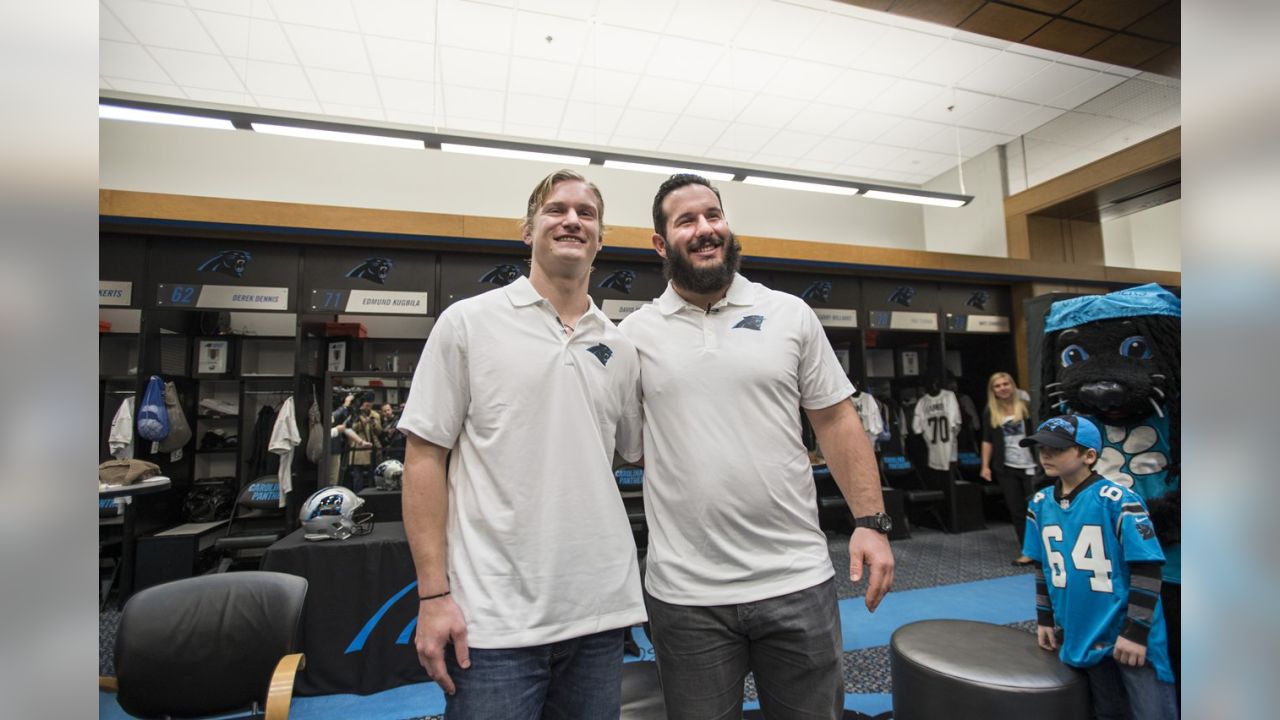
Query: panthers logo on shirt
(602,352)
(751,322)
(619,280)
(903,295)
(501,275)
(375,269)
(227,262)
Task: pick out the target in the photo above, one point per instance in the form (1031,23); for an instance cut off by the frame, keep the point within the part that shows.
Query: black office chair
(257,521)
(210,645)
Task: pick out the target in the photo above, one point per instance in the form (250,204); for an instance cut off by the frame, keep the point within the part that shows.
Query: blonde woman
(1005,421)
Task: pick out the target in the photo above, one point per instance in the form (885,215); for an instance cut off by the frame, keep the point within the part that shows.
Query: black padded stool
(964,670)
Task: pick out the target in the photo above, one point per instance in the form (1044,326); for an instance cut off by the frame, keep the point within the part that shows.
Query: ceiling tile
(835,150)
(718,103)
(582,137)
(1022,125)
(713,21)
(909,133)
(128,61)
(474,26)
(534,110)
(651,15)
(785,162)
(146,88)
(473,68)
(961,102)
(790,143)
(407,95)
(162,25)
(838,39)
(801,79)
(1002,73)
(1049,83)
(619,49)
(740,136)
(729,156)
(401,58)
(817,165)
(607,87)
(464,102)
(662,94)
(1053,7)
(529,39)
(332,14)
(974,143)
(777,27)
(900,177)
(1067,36)
(875,156)
(866,126)
(696,131)
(590,117)
(406,117)
(275,79)
(950,13)
(994,114)
(629,142)
(1003,21)
(110,29)
(404,19)
(897,51)
(1164,24)
(193,69)
(684,59)
(247,8)
(335,86)
(245,37)
(923,162)
(645,124)
(219,96)
(689,150)
(744,70)
(820,119)
(328,49)
(1086,91)
(954,60)
(562,8)
(469,124)
(1123,49)
(854,170)
(855,89)
(1111,14)
(906,96)
(538,77)
(521,131)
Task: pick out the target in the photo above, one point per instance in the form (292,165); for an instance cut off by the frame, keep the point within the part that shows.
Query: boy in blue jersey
(1103,589)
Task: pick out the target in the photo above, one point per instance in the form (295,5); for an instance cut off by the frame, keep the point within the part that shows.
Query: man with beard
(738,577)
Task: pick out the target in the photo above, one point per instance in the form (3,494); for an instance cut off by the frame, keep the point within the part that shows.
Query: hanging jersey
(1085,543)
(937,417)
(869,413)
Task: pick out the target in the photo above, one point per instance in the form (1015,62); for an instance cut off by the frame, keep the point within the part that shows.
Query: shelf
(217,417)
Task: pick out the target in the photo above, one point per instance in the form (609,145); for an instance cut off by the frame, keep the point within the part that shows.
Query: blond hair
(544,188)
(994,415)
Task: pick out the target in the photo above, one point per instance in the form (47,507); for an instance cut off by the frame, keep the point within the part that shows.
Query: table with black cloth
(384,504)
(360,613)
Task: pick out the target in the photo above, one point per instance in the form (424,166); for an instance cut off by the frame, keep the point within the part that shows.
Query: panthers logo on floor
(375,269)
(227,262)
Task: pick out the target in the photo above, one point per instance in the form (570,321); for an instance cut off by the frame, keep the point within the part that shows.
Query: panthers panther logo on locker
(501,275)
(375,269)
(903,295)
(818,290)
(978,300)
(227,262)
(620,280)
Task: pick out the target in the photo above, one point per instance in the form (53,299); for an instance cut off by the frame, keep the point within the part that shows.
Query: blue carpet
(1000,601)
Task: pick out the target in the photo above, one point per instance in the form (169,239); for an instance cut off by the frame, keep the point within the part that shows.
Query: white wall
(977,228)
(246,165)
(1149,240)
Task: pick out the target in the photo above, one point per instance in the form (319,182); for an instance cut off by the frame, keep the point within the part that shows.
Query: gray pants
(791,642)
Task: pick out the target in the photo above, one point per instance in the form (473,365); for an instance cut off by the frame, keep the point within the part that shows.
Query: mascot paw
(1166,515)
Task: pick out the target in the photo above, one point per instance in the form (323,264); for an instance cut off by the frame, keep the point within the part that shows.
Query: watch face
(884,523)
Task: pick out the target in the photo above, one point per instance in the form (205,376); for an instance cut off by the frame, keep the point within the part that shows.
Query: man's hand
(439,623)
(869,547)
(1046,637)
(985,473)
(1130,653)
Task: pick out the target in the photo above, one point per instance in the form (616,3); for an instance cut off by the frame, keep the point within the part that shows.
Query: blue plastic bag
(153,417)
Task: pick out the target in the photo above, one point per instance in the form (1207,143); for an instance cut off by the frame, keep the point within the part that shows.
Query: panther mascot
(1117,359)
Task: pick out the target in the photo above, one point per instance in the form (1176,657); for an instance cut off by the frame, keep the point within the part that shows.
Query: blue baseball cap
(1064,431)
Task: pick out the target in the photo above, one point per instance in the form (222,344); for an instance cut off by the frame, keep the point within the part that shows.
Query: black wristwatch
(879,522)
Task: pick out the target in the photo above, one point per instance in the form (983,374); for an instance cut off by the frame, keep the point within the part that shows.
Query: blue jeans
(791,642)
(571,679)
(1121,692)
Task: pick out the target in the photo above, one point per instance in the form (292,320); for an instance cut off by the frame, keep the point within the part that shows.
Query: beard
(680,270)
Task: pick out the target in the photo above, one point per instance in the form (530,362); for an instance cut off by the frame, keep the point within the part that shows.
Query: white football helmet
(387,475)
(330,514)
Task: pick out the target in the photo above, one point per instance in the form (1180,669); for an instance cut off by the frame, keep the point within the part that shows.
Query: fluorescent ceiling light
(116,112)
(797,185)
(361,138)
(919,199)
(516,154)
(666,169)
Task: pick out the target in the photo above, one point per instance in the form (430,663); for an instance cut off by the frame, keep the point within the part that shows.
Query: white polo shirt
(728,488)
(540,549)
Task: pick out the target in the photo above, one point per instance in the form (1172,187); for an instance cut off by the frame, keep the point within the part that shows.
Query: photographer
(342,437)
(367,425)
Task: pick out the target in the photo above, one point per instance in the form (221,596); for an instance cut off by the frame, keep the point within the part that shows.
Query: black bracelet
(422,598)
